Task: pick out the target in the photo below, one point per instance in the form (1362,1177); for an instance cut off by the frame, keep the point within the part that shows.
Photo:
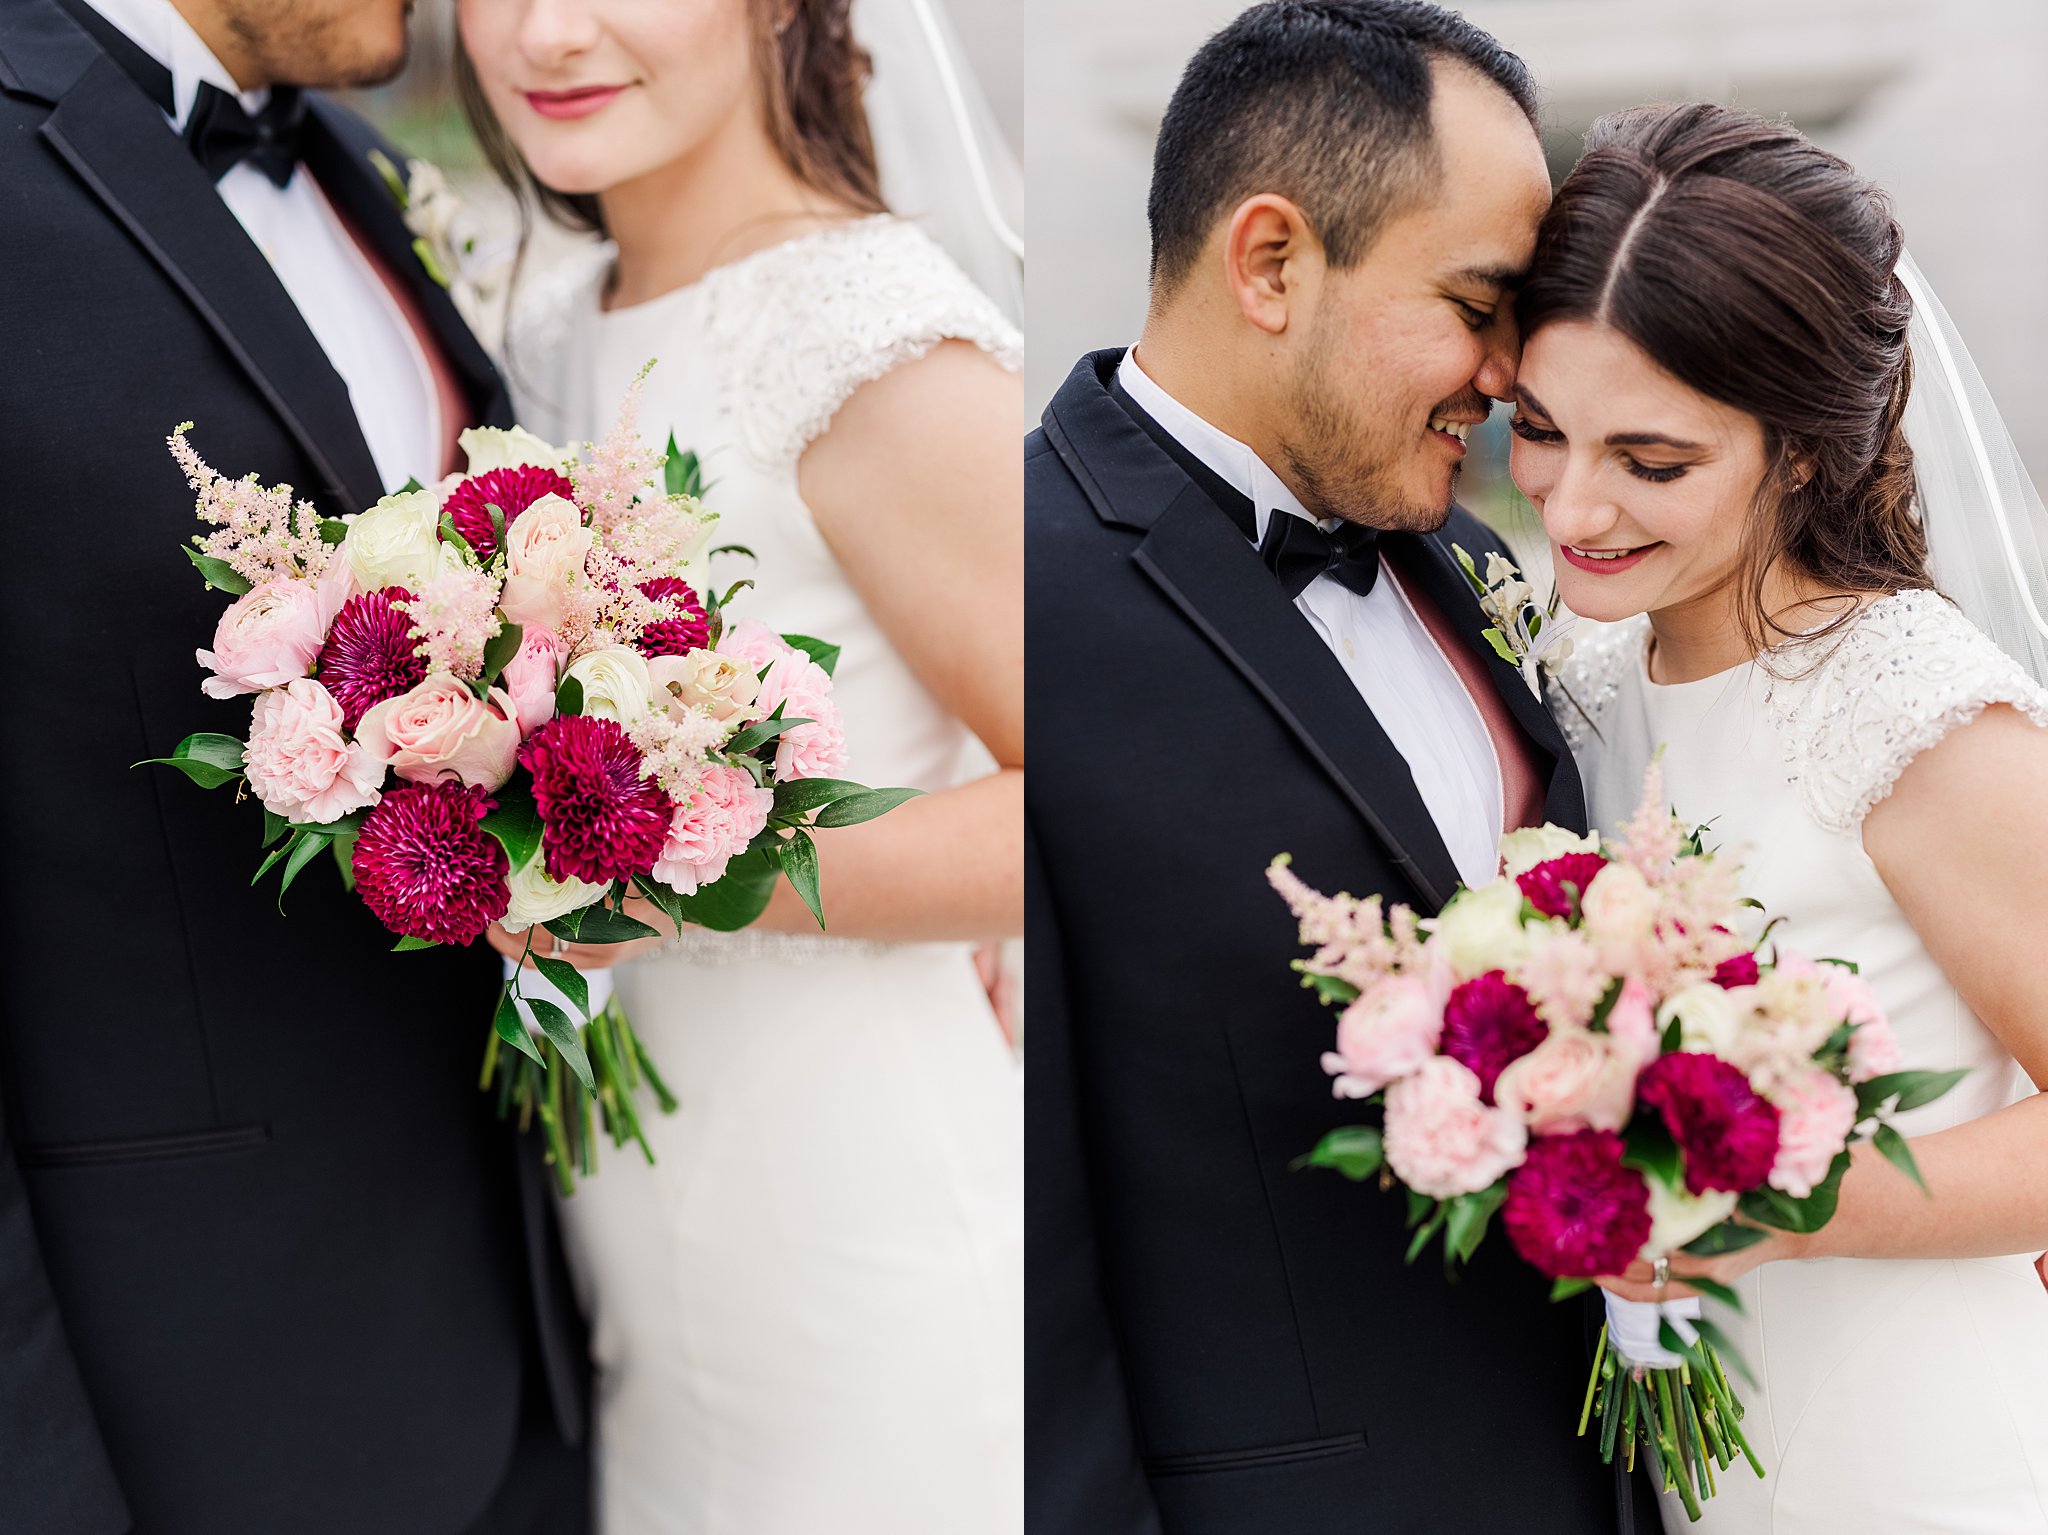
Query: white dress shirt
(343,301)
(1382,645)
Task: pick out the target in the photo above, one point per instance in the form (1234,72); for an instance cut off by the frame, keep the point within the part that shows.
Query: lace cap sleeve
(1585,687)
(803,331)
(1906,673)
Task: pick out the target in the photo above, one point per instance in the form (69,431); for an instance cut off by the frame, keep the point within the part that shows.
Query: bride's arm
(918,488)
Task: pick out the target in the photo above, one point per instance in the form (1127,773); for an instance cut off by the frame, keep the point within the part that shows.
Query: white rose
(615,684)
(1523,850)
(1678,1216)
(1708,1018)
(1481,929)
(536,898)
(725,685)
(544,553)
(489,447)
(397,542)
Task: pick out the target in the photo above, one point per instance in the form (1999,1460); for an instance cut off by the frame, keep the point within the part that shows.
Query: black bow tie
(221,135)
(1297,551)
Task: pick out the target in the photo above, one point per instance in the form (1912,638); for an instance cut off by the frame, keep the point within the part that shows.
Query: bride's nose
(555,31)
(1577,511)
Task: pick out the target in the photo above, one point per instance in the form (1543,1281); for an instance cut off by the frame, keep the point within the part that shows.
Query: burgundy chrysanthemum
(1729,1135)
(369,655)
(1544,884)
(689,630)
(1737,970)
(425,865)
(512,491)
(600,819)
(1573,1211)
(1488,1023)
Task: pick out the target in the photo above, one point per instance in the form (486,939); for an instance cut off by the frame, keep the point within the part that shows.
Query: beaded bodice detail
(1892,683)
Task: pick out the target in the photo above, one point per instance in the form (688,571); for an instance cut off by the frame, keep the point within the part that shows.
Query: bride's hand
(1638,1281)
(584,956)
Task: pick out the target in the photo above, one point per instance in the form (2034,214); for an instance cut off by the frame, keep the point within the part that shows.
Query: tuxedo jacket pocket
(143,1148)
(1262,1455)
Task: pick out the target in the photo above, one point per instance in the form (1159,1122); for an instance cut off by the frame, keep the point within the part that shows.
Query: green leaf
(1353,1150)
(1427,1230)
(1898,1153)
(824,653)
(733,591)
(310,845)
(451,534)
(409,944)
(209,760)
(274,826)
(390,174)
(759,733)
(1652,1150)
(568,925)
(516,825)
(682,473)
(409,487)
(1419,1205)
(1728,1237)
(739,897)
(511,1027)
(219,573)
(800,864)
(1713,1287)
(1330,988)
(431,262)
(568,980)
(1471,571)
(736,549)
(857,808)
(1501,647)
(670,902)
(600,924)
(1914,1089)
(1469,1216)
(277,854)
(561,1033)
(497,515)
(800,796)
(332,531)
(344,849)
(569,696)
(1565,1289)
(1772,1207)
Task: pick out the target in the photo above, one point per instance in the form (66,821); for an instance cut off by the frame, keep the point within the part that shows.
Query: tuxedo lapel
(114,137)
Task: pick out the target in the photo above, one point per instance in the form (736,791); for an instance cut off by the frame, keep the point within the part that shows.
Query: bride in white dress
(806,1317)
(1708,418)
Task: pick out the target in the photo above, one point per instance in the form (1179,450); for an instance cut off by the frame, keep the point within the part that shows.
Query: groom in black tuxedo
(268,1264)
(1247,635)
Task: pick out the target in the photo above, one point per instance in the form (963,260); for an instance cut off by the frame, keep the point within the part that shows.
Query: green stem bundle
(1687,1419)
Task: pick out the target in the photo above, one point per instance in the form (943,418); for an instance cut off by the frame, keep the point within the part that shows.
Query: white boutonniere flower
(442,241)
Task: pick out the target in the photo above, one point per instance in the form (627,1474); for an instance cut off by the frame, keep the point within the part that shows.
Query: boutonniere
(446,250)
(1534,640)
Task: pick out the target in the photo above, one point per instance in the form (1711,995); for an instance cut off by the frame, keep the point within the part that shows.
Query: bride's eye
(1660,475)
(1528,431)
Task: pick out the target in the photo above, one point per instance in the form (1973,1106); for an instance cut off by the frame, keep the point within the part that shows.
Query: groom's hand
(584,956)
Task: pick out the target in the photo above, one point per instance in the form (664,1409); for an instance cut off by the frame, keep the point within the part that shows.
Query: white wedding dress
(807,1317)
(1890,1396)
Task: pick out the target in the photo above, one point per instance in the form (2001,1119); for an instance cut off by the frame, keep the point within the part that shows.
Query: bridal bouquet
(1588,1047)
(510,698)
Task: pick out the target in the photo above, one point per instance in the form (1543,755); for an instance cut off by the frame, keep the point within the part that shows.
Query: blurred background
(1939,100)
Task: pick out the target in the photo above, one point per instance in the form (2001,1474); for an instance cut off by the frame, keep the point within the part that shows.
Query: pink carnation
(1441,1140)
(1729,1135)
(727,811)
(1545,884)
(269,635)
(601,820)
(301,765)
(755,643)
(1488,1022)
(1815,1115)
(1873,1047)
(427,868)
(1389,1032)
(800,687)
(1573,1211)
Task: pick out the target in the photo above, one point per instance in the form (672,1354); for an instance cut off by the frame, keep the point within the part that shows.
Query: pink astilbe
(676,745)
(454,617)
(259,533)
(1652,837)
(660,533)
(617,469)
(1349,934)
(1563,977)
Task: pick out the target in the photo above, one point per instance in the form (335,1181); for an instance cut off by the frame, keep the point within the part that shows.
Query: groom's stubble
(315,44)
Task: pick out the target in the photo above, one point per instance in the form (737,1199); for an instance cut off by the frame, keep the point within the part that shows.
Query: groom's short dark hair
(1324,102)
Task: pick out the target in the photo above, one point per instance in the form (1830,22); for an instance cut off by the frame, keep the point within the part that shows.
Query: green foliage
(800,865)
(1355,1151)
(512,1028)
(219,574)
(825,654)
(566,979)
(208,759)
(866,806)
(516,825)
(1773,1207)
(561,1033)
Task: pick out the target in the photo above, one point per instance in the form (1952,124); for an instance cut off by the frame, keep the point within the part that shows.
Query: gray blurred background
(1941,101)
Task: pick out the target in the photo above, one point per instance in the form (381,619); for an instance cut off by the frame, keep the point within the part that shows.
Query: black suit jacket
(1216,1344)
(263,1266)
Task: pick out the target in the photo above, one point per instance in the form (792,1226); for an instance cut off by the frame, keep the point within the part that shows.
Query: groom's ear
(1271,260)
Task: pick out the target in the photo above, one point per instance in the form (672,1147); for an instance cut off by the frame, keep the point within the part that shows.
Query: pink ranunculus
(754,643)
(726,812)
(1441,1140)
(801,688)
(1815,1115)
(1632,1022)
(268,636)
(301,764)
(1873,1047)
(1574,1080)
(531,677)
(441,730)
(545,548)
(1387,1033)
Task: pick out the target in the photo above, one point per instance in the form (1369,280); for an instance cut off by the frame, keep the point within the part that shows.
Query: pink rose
(1389,1032)
(530,678)
(301,764)
(801,688)
(1873,1047)
(1574,1080)
(544,552)
(268,636)
(1815,1115)
(1632,1023)
(723,684)
(1620,912)
(755,643)
(726,812)
(442,730)
(1441,1140)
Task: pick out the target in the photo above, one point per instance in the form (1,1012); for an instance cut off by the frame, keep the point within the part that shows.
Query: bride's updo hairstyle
(811,73)
(1756,269)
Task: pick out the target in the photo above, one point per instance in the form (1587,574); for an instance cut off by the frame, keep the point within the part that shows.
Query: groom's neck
(1226,384)
(209,20)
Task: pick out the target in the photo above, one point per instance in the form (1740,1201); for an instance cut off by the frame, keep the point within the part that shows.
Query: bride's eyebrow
(1650,440)
(1527,399)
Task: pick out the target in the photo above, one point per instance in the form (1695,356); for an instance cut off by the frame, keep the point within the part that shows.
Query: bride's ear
(1271,257)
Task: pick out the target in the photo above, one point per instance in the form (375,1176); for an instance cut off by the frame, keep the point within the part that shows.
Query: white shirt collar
(1238,465)
(160,30)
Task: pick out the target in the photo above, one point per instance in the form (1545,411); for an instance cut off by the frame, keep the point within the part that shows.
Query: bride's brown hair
(1758,269)
(811,74)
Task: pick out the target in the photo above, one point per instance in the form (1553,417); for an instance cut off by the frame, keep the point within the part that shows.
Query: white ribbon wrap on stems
(1632,1328)
(534,984)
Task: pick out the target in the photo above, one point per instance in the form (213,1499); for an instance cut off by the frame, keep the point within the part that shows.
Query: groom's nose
(1496,375)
